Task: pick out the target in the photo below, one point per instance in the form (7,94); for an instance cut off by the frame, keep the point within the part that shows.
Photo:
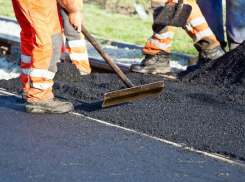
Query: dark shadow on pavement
(12,102)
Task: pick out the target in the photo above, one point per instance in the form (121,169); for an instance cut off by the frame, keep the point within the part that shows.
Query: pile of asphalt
(199,110)
(227,71)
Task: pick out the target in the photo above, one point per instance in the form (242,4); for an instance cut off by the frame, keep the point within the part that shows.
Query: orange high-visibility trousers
(196,27)
(41,42)
(74,44)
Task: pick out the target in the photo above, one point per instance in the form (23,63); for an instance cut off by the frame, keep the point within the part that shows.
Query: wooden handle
(179,7)
(112,64)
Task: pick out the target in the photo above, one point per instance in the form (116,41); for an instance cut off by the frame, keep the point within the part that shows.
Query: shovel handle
(179,7)
(112,64)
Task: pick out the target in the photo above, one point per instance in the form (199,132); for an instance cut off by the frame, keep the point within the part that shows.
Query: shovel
(174,14)
(132,92)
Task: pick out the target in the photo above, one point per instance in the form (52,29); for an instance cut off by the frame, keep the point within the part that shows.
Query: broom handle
(100,50)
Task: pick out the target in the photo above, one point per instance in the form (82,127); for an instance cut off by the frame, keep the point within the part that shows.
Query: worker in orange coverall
(41,41)
(74,44)
(158,46)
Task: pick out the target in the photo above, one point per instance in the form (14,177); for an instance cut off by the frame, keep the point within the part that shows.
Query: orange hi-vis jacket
(196,27)
(41,42)
(74,44)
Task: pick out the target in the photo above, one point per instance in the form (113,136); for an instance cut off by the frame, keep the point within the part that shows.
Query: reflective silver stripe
(197,21)
(64,41)
(39,73)
(42,73)
(62,56)
(77,43)
(25,59)
(41,86)
(202,34)
(25,71)
(162,46)
(79,56)
(188,27)
(166,35)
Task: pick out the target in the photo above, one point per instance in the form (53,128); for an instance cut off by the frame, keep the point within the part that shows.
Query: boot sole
(39,109)
(153,71)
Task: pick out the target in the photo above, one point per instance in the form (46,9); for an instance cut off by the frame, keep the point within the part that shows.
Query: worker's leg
(162,35)
(235,22)
(26,48)
(213,13)
(205,41)
(157,47)
(77,48)
(63,48)
(197,27)
(43,17)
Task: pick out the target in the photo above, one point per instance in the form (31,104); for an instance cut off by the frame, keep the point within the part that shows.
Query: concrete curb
(9,19)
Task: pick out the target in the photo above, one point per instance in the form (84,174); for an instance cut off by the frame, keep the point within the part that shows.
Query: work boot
(51,105)
(24,95)
(153,64)
(193,61)
(204,56)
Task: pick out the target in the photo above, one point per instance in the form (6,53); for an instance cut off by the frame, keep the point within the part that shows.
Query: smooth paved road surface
(66,147)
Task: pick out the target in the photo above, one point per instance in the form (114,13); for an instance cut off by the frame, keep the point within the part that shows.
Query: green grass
(116,26)
(6,8)
(129,29)
(119,27)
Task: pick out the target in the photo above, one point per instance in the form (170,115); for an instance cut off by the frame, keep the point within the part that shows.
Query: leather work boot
(204,56)
(153,64)
(51,105)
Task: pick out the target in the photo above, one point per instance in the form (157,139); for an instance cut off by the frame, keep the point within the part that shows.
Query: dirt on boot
(157,68)
(153,64)
(51,105)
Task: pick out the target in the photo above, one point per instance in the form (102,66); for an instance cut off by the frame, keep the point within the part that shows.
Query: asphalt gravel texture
(203,109)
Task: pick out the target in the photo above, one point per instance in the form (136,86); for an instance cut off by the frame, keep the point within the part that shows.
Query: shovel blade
(168,16)
(125,95)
